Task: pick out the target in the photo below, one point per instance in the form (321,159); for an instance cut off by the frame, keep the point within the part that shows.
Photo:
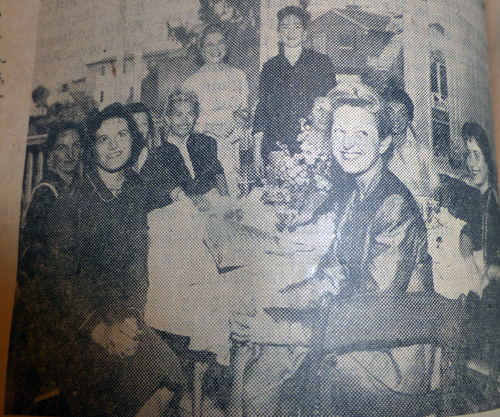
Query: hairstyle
(113,111)
(399,95)
(179,96)
(141,108)
(57,130)
(473,131)
(40,93)
(360,95)
(208,31)
(213,28)
(297,11)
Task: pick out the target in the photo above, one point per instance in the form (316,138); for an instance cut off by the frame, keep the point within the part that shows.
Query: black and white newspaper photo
(257,208)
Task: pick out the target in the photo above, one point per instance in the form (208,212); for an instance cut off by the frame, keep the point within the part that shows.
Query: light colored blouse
(220,92)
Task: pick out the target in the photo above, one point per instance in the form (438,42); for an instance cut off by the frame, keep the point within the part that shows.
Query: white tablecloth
(188,296)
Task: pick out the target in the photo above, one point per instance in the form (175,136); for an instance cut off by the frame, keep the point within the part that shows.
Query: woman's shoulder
(236,72)
(316,56)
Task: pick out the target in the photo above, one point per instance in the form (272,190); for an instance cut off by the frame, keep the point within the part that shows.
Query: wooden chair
(383,321)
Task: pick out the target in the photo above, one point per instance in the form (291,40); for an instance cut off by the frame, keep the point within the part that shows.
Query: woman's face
(181,121)
(291,32)
(113,144)
(476,163)
(214,48)
(355,140)
(141,119)
(66,152)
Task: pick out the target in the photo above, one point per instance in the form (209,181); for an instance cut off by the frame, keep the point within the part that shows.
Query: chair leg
(199,372)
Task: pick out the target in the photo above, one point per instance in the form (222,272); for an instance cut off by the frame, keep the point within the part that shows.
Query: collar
(294,53)
(284,60)
(100,188)
(174,140)
(367,188)
(57,181)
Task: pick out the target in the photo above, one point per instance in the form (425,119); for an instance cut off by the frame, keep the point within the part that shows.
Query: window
(439,83)
(439,80)
(441,137)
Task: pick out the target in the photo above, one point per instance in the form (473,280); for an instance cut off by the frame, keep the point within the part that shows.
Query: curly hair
(179,96)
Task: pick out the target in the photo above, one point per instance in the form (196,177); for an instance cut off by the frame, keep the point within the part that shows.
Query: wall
(73,33)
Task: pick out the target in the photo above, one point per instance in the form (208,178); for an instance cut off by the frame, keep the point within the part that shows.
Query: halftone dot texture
(402,314)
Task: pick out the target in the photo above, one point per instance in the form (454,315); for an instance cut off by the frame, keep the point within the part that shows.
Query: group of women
(355,170)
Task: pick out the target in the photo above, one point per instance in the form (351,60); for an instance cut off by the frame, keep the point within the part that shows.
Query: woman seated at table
(185,159)
(109,363)
(380,246)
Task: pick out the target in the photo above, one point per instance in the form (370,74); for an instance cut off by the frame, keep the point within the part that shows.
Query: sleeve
(67,294)
(157,185)
(328,75)
(206,180)
(260,118)
(208,151)
(397,258)
(38,212)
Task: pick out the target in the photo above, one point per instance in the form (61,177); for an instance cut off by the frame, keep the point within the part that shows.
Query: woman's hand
(118,339)
(262,329)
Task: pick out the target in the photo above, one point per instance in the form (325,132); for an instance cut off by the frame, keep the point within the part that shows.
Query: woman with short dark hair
(145,125)
(111,363)
(484,237)
(288,85)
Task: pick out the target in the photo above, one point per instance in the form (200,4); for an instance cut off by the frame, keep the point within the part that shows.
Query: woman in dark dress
(109,363)
(288,85)
(484,236)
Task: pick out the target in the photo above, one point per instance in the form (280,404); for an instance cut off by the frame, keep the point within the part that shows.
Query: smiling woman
(360,131)
(97,249)
(222,92)
(113,145)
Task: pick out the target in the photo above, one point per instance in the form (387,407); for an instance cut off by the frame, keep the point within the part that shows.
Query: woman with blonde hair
(222,91)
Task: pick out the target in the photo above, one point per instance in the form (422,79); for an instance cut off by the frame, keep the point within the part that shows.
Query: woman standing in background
(223,93)
(288,84)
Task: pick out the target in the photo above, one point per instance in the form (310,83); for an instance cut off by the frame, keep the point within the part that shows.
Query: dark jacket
(484,230)
(287,93)
(43,198)
(165,169)
(98,245)
(381,240)
(97,272)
